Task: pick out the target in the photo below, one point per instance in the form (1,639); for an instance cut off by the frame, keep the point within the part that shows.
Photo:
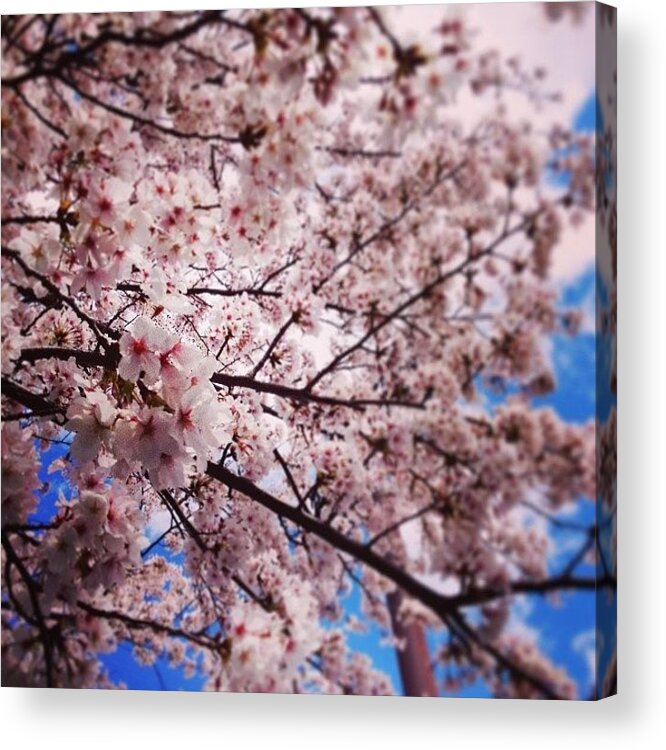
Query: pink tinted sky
(565,49)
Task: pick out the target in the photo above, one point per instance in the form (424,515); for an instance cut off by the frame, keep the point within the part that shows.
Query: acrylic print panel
(308,350)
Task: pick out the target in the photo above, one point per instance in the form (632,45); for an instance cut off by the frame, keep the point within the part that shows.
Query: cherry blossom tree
(258,277)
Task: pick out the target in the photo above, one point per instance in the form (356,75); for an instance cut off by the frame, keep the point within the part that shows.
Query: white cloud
(584,643)
(158,524)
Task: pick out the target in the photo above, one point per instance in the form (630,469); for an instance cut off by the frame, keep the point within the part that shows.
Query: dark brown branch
(289,476)
(250,291)
(94,325)
(110,358)
(45,633)
(145,121)
(473,597)
(271,347)
(82,54)
(44,120)
(81,357)
(401,522)
(39,405)
(135,623)
(352,153)
(329,534)
(515,669)
(127,286)
(361,244)
(422,293)
(304,395)
(20,220)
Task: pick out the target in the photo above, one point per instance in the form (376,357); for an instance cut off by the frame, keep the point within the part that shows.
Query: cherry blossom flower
(91,418)
(139,349)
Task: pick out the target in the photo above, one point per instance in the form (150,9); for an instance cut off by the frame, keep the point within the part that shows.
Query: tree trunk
(416,671)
